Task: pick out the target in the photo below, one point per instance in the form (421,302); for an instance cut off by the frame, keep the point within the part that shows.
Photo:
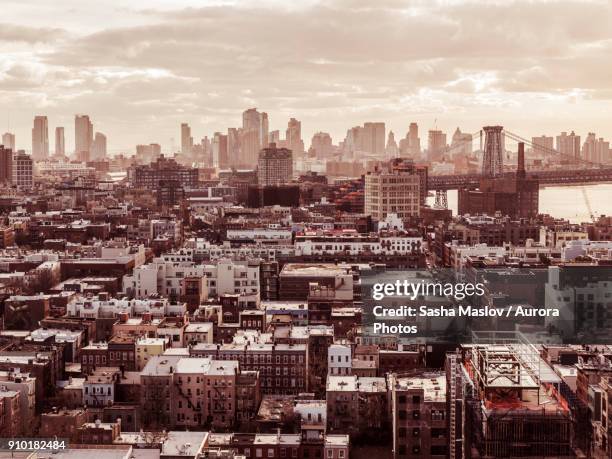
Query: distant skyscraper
(542,145)
(265,128)
(83,137)
(391,150)
(436,144)
(186,139)
(219,151)
(234,150)
(293,135)
(8,140)
(410,146)
(461,144)
(414,142)
(60,145)
(274,137)
(596,150)
(373,138)
(569,144)
(275,166)
(40,139)
(254,135)
(146,154)
(353,140)
(493,156)
(321,145)
(98,149)
(6,165)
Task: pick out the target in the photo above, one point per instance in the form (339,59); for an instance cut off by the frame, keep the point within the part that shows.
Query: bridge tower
(493,157)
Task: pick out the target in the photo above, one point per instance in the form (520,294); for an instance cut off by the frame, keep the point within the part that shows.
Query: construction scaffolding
(516,409)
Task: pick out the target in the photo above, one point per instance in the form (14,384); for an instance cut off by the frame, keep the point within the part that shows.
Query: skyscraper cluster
(88,145)
(240,146)
(369,138)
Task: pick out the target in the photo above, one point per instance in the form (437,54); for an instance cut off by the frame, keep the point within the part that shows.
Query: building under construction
(507,403)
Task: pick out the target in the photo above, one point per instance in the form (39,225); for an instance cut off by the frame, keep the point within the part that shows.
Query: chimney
(520,170)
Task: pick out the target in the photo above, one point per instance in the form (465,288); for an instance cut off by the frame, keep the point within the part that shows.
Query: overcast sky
(139,69)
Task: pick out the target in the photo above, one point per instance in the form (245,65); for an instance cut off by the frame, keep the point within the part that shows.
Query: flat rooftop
(433,385)
(312,270)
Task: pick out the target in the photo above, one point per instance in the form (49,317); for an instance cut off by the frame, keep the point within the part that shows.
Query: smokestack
(520,170)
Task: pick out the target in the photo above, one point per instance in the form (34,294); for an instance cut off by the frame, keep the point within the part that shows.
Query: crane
(588,204)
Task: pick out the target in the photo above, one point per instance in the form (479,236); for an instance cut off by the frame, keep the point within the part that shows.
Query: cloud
(20,33)
(332,63)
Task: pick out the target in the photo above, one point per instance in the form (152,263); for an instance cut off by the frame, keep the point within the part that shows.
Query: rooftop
(433,385)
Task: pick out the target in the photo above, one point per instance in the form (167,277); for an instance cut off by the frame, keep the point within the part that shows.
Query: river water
(564,201)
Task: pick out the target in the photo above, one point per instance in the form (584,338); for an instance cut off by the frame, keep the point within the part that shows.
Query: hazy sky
(139,69)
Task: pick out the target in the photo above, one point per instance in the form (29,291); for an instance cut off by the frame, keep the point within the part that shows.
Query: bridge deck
(554,177)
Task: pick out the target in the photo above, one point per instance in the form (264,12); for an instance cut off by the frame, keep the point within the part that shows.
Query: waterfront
(564,201)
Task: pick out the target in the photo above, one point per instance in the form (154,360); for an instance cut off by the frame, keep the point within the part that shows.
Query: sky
(140,68)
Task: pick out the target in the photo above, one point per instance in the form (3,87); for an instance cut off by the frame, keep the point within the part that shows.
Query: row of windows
(261,358)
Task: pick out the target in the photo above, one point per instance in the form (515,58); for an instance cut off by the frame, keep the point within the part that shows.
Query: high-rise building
(321,145)
(353,140)
(395,191)
(186,139)
(98,148)
(219,151)
(274,137)
(373,138)
(22,170)
(234,158)
(542,145)
(6,165)
(293,136)
(83,137)
(391,150)
(60,144)
(569,144)
(596,150)
(265,129)
(410,146)
(207,150)
(414,142)
(275,166)
(8,140)
(436,144)
(461,145)
(254,135)
(40,138)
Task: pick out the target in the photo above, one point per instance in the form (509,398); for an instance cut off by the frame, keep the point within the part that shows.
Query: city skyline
(540,70)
